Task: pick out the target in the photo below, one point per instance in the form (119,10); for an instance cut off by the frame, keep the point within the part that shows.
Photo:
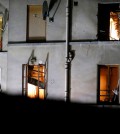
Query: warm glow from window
(114,26)
(103,85)
(113,31)
(41,93)
(31,90)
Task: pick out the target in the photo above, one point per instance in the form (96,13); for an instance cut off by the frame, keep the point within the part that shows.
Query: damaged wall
(85,13)
(87,54)
(83,67)
(18,55)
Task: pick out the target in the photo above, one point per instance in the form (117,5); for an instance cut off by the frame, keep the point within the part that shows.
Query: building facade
(33,26)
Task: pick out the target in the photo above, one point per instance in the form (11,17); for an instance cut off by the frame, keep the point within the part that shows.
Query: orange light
(31,91)
(41,93)
(114,21)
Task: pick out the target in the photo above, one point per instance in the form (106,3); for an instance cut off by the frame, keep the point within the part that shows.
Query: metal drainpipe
(67,96)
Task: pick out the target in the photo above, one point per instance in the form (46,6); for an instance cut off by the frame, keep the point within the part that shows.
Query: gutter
(67,90)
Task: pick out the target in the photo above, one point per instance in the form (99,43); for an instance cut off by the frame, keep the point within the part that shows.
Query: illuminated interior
(33,91)
(36,81)
(103,84)
(1,21)
(109,75)
(114,26)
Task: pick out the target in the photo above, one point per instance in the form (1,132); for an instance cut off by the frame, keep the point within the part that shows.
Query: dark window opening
(108,22)
(108,80)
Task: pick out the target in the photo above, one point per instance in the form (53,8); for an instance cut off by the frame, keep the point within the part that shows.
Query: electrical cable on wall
(51,19)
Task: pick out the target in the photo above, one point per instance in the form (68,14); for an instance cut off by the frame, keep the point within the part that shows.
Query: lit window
(35,81)
(108,80)
(108,22)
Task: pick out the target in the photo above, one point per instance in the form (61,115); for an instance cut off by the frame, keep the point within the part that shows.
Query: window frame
(38,39)
(103,20)
(26,79)
(1,32)
(108,84)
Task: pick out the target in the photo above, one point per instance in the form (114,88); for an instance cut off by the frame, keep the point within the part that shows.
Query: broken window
(108,80)
(109,22)
(34,81)
(36,26)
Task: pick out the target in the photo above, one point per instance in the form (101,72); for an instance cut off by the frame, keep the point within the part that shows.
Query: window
(36,26)
(1,31)
(108,80)
(0,80)
(35,81)
(108,22)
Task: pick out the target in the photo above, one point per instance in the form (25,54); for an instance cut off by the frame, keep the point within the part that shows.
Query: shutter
(103,22)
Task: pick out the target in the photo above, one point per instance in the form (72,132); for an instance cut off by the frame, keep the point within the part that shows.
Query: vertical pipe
(67,97)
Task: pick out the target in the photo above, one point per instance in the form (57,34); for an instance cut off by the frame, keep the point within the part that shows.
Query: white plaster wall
(57,30)
(85,13)
(87,55)
(3,66)
(17,20)
(18,55)
(84,20)
(84,68)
